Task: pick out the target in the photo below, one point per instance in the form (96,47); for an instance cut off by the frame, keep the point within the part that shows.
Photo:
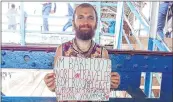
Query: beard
(84,34)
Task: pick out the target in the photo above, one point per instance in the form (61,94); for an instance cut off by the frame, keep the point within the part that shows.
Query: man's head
(12,6)
(85,21)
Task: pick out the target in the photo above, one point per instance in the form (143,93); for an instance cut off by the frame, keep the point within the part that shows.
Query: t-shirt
(69,49)
(11,15)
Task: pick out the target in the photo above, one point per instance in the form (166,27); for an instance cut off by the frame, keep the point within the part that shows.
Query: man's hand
(115,80)
(52,12)
(49,80)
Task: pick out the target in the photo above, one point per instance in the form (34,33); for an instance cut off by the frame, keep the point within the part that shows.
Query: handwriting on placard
(82,79)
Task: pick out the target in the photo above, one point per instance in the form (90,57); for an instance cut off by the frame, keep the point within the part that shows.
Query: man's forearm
(52,6)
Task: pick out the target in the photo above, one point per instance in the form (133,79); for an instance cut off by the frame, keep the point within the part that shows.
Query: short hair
(12,6)
(85,5)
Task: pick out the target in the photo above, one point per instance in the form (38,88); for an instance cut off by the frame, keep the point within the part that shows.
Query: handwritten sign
(84,79)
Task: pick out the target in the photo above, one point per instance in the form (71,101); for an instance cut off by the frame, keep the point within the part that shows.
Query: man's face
(85,23)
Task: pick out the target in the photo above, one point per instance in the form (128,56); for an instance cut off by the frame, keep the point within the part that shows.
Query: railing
(129,64)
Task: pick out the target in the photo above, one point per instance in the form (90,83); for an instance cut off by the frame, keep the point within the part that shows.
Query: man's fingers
(49,80)
(52,89)
(115,81)
(52,83)
(113,85)
(115,74)
(115,78)
(50,75)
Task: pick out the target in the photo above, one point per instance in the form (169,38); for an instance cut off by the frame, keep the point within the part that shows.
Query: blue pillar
(22,26)
(151,45)
(119,26)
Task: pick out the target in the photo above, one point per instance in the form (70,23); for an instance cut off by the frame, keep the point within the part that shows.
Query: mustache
(85,26)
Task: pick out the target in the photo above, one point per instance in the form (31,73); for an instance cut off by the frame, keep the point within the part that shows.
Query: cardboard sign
(84,79)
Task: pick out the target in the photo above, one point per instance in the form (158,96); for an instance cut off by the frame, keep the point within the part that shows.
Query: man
(84,23)
(70,13)
(163,10)
(111,28)
(11,15)
(169,25)
(47,8)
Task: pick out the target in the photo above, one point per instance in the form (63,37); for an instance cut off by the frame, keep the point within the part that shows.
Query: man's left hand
(115,80)
(52,12)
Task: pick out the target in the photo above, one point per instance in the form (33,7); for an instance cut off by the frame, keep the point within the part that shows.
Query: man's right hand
(49,80)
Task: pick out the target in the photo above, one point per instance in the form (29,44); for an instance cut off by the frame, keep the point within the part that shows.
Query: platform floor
(29,82)
(22,82)
(25,83)
(55,39)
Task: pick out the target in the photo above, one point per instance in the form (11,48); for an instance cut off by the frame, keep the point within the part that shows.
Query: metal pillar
(1,55)
(133,32)
(119,26)
(151,45)
(22,25)
(97,36)
(153,23)
(136,13)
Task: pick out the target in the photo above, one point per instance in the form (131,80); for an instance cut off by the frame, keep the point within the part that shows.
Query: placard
(84,79)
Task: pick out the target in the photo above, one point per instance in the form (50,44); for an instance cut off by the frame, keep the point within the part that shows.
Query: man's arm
(53,7)
(105,54)
(49,78)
